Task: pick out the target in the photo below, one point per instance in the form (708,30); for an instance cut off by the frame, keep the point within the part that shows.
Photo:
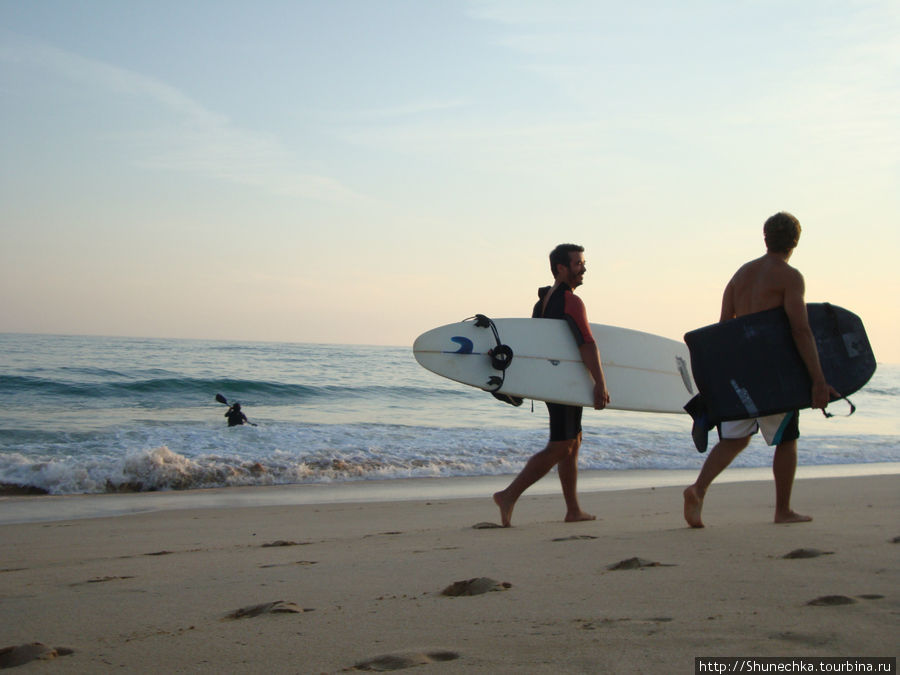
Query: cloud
(413,109)
(194,139)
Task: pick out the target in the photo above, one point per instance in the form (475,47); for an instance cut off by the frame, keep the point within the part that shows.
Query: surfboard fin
(696,408)
(506,398)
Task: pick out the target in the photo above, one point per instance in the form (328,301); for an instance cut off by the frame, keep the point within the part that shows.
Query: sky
(359,171)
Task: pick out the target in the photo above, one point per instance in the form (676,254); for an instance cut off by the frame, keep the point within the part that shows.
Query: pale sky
(359,171)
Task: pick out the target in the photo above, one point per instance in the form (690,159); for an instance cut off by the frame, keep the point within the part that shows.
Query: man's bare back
(761,284)
(769,282)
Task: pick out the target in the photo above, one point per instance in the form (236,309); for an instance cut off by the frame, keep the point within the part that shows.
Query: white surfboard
(643,372)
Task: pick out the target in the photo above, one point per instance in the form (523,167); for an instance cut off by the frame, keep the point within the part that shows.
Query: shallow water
(93,415)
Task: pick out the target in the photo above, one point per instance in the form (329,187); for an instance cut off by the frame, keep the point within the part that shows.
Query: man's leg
(568,478)
(784,466)
(536,468)
(719,458)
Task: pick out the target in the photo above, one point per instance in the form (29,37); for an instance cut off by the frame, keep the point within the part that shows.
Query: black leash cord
(501,355)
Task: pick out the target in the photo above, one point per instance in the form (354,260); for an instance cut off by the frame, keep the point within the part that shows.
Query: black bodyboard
(749,366)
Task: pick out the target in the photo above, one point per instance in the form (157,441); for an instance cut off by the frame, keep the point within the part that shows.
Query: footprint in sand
(486,526)
(594,624)
(799,553)
(277,607)
(283,542)
(19,655)
(637,563)
(100,580)
(575,537)
(391,533)
(808,639)
(831,601)
(476,586)
(404,660)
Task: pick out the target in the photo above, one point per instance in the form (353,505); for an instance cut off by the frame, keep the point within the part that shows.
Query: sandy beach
(322,588)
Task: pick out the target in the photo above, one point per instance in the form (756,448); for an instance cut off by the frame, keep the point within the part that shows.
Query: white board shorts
(775,428)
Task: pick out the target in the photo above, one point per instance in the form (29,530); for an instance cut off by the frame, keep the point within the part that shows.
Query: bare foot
(506,508)
(693,505)
(579,516)
(792,517)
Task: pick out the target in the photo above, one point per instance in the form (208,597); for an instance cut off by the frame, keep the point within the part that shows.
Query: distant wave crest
(164,390)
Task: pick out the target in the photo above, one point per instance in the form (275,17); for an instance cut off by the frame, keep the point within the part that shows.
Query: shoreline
(17,508)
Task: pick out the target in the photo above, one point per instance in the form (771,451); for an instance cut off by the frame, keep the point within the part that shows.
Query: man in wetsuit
(559,302)
(761,284)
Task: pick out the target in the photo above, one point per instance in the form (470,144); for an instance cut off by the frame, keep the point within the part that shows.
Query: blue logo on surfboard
(465,345)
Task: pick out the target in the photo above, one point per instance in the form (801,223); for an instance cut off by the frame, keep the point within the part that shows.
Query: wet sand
(323,587)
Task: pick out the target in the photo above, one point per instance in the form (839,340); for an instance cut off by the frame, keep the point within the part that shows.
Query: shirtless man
(559,302)
(759,285)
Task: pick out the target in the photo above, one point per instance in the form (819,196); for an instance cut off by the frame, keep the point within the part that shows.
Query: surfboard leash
(501,358)
(842,398)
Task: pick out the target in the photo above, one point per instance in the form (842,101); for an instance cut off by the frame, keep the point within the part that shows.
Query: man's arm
(728,309)
(591,358)
(587,346)
(795,308)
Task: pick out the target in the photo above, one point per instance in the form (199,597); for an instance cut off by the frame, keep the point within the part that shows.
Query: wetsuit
(565,420)
(235,417)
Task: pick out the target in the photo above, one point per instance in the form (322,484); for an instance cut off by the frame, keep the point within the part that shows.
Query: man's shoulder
(751,267)
(571,297)
(767,267)
(788,275)
(573,302)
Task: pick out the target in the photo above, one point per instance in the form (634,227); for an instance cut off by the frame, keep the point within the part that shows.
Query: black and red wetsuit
(564,304)
(565,420)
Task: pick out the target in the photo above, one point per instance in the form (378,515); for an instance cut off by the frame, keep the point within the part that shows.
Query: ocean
(89,415)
